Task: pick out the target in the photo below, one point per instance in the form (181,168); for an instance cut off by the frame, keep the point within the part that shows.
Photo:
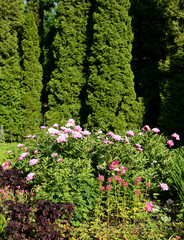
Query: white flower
(156,209)
(99,132)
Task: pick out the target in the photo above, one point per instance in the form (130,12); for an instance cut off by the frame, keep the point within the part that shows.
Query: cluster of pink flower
(116,167)
(171,142)
(176,237)
(76,132)
(108,187)
(118,137)
(5,165)
(7,193)
(164,186)
(139,148)
(138,179)
(4,192)
(146,129)
(149,207)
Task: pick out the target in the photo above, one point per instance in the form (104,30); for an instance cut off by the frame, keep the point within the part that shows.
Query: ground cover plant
(100,185)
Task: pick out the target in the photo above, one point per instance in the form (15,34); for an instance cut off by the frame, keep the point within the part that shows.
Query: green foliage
(69,47)
(5,147)
(10,70)
(2,226)
(177,172)
(32,74)
(172,86)
(111,97)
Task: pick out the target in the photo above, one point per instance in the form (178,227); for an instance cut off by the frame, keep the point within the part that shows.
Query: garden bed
(97,185)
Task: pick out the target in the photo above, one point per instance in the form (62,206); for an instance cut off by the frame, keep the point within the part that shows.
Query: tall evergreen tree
(69,48)
(32,74)
(172,87)
(44,13)
(111,96)
(148,22)
(11,115)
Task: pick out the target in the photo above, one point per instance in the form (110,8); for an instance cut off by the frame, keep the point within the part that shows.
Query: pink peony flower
(55,125)
(86,133)
(23,155)
(123,170)
(117,137)
(34,136)
(78,129)
(35,151)
(26,148)
(9,151)
(140,149)
(155,130)
(20,145)
(68,130)
(29,136)
(62,138)
(5,165)
(43,127)
(146,128)
(170,143)
(137,145)
(53,131)
(70,123)
(30,176)
(110,134)
(130,133)
(164,186)
(54,155)
(77,135)
(176,136)
(59,159)
(148,206)
(33,162)
(62,128)
(101,178)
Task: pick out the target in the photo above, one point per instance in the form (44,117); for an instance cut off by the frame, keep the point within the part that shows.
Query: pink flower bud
(35,151)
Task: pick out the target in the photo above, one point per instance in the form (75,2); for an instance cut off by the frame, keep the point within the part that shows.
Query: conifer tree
(11,115)
(44,13)
(148,22)
(172,85)
(111,96)
(69,48)
(32,74)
